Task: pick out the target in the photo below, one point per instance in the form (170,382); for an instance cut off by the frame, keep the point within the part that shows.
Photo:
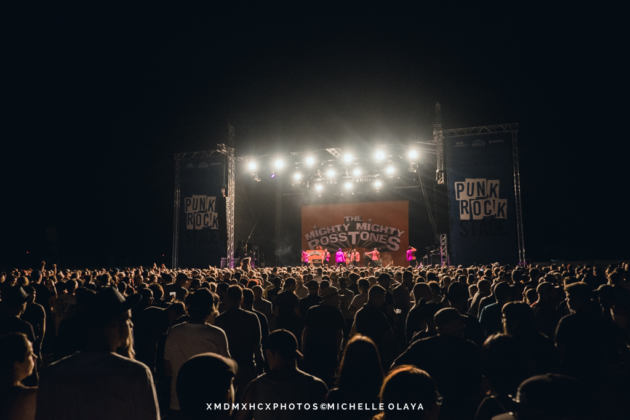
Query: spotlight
(319,188)
(252,165)
(412,155)
(379,155)
(378,184)
(278,164)
(331,173)
(297,176)
(390,170)
(309,161)
(347,158)
(356,172)
(347,185)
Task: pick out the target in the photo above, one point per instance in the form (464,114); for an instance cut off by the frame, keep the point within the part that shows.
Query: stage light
(413,155)
(309,161)
(278,164)
(356,171)
(347,158)
(347,186)
(252,165)
(390,170)
(379,155)
(319,188)
(331,173)
(378,184)
(297,176)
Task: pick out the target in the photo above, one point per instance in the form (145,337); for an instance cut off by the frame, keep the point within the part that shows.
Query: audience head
(518,318)
(205,378)
(408,384)
(234,296)
(361,368)
(553,397)
(376,296)
(281,349)
(200,305)
(578,295)
(450,322)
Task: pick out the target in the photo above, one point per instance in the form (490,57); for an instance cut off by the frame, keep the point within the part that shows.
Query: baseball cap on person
(282,342)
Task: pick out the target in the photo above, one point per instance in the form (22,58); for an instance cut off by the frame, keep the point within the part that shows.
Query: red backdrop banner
(364,225)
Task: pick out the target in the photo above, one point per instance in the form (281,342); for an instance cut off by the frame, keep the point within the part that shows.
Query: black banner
(202,216)
(482,218)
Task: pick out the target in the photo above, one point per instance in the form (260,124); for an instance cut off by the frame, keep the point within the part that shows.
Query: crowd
(480,342)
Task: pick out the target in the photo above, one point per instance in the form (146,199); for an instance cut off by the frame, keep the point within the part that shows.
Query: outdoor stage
(456,195)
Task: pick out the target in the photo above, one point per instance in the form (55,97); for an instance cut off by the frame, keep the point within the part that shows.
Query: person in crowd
(300,289)
(490,318)
(102,381)
(195,336)
(537,351)
(545,308)
(584,338)
(359,377)
(457,297)
(551,397)
(453,361)
(409,393)
(372,321)
(504,371)
(12,307)
(244,337)
(322,336)
(17,361)
(35,314)
(207,378)
(151,325)
(311,299)
(260,303)
(359,299)
(284,383)
(248,305)
(420,317)
(286,309)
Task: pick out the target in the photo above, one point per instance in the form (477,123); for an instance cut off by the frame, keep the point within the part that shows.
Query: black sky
(99,100)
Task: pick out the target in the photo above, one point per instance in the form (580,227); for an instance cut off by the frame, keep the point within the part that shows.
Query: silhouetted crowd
(451,343)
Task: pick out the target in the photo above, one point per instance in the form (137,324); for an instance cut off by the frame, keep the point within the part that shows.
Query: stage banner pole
(483,210)
(522,260)
(176,201)
(230,202)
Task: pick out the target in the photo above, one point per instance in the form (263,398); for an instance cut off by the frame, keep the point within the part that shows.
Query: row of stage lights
(329,174)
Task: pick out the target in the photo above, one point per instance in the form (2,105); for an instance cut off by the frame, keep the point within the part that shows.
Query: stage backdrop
(361,225)
(202,214)
(482,220)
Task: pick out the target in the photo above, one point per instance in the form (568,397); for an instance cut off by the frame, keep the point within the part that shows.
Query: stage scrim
(361,225)
(482,172)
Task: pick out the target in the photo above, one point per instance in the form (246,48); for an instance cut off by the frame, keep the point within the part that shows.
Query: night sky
(98,100)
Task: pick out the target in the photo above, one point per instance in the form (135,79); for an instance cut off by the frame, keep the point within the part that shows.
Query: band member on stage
(340,257)
(355,257)
(327,256)
(375,257)
(411,256)
(305,257)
